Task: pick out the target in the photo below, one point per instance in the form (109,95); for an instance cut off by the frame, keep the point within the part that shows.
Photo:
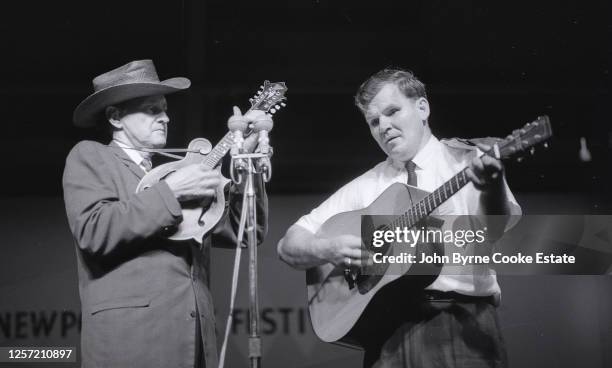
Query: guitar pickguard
(370,275)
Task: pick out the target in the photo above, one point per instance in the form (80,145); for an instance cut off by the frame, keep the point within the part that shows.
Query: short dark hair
(405,80)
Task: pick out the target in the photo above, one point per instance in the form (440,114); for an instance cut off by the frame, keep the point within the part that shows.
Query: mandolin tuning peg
(251,100)
(283,104)
(277,106)
(258,93)
(273,110)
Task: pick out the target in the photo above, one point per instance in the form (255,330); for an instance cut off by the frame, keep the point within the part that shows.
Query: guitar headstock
(525,139)
(270,97)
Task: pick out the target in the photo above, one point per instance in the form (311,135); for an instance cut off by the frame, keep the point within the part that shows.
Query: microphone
(262,127)
(237,124)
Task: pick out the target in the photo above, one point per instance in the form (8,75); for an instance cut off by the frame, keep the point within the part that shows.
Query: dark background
(490,67)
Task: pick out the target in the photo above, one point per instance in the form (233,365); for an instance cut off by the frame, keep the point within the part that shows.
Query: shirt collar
(425,158)
(132,153)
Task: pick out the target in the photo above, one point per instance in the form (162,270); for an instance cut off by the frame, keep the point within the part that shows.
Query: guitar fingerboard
(433,200)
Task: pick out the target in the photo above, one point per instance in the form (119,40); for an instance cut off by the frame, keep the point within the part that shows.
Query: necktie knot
(411,170)
(147,164)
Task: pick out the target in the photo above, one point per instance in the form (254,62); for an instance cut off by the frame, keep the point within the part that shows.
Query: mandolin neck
(218,152)
(216,155)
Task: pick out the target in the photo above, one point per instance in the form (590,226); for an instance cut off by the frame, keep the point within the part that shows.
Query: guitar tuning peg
(258,93)
(283,104)
(251,100)
(273,110)
(277,107)
(584,153)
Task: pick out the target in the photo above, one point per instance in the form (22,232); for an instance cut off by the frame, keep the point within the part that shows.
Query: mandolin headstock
(270,97)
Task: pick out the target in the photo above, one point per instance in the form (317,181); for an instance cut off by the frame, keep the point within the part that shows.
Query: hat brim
(84,115)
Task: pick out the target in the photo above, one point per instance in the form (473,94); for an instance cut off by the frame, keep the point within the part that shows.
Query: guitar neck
(429,203)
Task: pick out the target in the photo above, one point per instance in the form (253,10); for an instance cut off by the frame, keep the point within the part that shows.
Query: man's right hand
(343,250)
(302,249)
(193,182)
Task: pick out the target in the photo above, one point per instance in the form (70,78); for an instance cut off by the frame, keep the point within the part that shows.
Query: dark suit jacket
(139,290)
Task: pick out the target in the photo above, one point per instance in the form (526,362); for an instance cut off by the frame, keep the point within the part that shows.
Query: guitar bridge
(350,277)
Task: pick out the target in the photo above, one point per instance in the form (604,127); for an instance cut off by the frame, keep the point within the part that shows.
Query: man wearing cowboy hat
(145,299)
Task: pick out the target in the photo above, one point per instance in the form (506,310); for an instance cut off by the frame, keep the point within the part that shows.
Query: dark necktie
(146,164)
(412,177)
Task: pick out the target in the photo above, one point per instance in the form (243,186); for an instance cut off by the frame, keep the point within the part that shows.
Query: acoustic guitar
(342,304)
(200,216)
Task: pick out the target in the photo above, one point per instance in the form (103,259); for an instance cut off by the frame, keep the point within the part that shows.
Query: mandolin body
(199,217)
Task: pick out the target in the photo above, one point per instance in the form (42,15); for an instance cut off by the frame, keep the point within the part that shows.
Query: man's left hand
(486,172)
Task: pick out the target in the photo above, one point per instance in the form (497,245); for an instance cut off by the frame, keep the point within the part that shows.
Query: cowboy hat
(134,79)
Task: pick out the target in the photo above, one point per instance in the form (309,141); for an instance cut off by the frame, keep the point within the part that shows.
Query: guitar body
(199,217)
(351,313)
(337,311)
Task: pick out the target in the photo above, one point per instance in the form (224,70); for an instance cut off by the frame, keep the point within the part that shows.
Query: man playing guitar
(453,321)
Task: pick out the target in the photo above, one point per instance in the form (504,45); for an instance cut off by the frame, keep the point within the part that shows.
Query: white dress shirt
(435,163)
(133,154)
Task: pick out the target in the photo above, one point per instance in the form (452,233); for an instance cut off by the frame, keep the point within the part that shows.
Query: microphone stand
(245,166)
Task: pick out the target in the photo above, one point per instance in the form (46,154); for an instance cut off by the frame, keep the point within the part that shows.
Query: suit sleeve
(225,233)
(101,222)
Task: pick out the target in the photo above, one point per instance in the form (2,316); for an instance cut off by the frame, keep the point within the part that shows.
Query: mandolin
(200,216)
(339,303)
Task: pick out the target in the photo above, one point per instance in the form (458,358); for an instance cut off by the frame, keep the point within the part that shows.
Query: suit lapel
(127,161)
